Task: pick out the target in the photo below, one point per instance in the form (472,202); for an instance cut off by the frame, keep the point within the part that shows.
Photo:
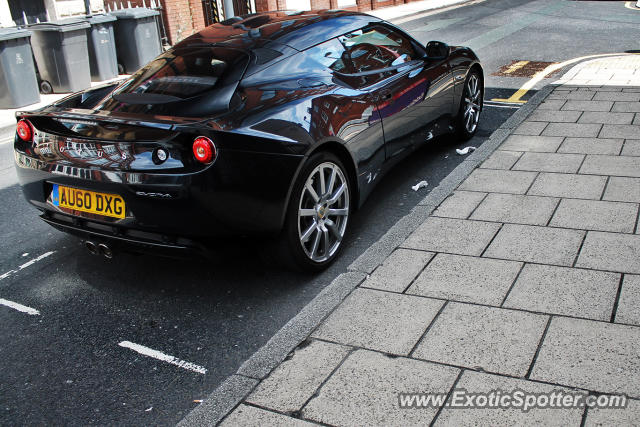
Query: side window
(330,54)
(376,46)
(368,49)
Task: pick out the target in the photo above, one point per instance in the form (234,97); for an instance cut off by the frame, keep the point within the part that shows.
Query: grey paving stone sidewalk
(526,277)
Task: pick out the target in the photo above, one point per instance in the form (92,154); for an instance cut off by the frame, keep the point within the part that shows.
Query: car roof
(297,30)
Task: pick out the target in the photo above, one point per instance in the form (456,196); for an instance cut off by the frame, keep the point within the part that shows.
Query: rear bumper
(241,193)
(127,239)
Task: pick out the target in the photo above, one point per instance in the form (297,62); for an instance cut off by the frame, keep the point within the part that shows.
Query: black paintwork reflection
(114,156)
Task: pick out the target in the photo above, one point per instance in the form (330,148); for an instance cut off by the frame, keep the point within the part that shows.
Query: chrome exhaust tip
(105,251)
(91,247)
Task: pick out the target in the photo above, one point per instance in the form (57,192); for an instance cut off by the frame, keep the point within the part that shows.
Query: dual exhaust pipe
(98,249)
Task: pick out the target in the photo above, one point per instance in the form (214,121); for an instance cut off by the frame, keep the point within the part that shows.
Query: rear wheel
(318,213)
(470,107)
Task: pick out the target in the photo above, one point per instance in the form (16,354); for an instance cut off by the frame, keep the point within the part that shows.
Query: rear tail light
(25,130)
(204,150)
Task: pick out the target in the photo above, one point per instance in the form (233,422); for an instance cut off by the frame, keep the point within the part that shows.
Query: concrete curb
(235,388)
(298,329)
(220,402)
(379,251)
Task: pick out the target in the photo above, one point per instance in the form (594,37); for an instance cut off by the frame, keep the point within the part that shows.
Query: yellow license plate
(88,201)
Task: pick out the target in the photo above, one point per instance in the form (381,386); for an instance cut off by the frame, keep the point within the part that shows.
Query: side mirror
(437,50)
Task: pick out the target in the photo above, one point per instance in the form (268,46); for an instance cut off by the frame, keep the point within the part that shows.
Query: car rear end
(154,191)
(144,164)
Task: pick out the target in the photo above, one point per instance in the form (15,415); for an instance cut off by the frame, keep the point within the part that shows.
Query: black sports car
(277,123)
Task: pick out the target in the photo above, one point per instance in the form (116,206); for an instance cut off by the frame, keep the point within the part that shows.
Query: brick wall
(185,17)
(364,5)
(182,18)
(266,5)
(322,4)
(197,15)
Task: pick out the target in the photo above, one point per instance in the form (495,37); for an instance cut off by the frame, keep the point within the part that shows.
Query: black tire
(293,252)
(45,87)
(463,131)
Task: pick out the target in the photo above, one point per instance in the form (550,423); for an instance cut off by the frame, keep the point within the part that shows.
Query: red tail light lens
(204,150)
(25,130)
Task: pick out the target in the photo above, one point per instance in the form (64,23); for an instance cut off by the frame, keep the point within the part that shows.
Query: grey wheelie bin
(18,83)
(103,61)
(137,39)
(62,57)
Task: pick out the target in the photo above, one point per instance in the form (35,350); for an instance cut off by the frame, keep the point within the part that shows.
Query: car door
(411,93)
(346,111)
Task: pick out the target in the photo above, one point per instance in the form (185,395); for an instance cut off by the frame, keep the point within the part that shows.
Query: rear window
(186,72)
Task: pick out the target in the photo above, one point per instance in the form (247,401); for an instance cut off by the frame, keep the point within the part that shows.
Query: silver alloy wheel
(323,211)
(473,103)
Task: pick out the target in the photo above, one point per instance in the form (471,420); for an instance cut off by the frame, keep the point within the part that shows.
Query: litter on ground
(465,150)
(420,185)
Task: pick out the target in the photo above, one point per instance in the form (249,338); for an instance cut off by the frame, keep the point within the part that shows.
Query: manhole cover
(523,69)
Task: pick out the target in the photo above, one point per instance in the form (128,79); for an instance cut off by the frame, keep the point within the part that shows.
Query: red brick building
(182,18)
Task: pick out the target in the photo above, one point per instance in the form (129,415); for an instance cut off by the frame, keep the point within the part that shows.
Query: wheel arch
(477,67)
(339,150)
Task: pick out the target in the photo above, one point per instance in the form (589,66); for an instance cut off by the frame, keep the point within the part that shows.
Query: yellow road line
(515,66)
(517,96)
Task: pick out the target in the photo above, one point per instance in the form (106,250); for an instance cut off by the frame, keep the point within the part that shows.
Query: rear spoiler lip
(158,122)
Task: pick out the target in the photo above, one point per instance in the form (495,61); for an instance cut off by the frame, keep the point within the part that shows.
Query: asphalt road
(65,365)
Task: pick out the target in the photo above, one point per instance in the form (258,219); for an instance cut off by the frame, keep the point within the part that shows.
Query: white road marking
(146,351)
(26,264)
(19,307)
(500,105)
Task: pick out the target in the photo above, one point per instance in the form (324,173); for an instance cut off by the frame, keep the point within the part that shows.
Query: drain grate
(523,68)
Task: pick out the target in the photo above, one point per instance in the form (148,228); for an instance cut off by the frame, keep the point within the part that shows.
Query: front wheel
(318,213)
(470,107)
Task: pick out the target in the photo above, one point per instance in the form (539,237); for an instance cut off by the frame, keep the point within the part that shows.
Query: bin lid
(100,18)
(13,33)
(61,26)
(134,13)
